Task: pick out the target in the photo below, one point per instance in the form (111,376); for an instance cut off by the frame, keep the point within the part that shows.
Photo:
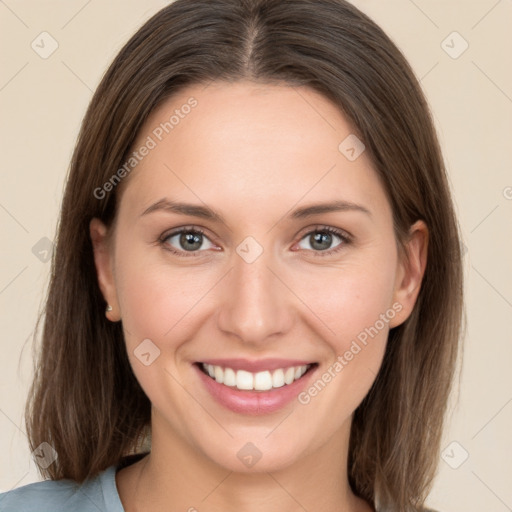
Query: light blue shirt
(98,494)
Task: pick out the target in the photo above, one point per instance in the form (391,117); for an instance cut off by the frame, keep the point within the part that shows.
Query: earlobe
(103,261)
(410,272)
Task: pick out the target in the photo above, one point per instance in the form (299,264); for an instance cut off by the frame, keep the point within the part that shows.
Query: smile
(260,381)
(257,387)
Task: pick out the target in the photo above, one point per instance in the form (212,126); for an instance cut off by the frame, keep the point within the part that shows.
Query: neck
(177,476)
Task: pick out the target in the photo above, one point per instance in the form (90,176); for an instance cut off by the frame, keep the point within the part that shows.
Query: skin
(253,153)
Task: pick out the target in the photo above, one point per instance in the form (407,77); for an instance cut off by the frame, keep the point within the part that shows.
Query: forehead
(240,142)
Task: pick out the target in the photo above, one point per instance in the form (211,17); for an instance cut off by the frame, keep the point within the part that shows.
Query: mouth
(254,387)
(264,380)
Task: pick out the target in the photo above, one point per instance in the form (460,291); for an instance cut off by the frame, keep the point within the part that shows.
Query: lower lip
(254,402)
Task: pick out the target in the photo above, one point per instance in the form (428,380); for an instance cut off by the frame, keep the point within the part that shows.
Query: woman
(256,292)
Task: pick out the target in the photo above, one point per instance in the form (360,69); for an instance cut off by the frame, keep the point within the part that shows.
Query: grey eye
(320,240)
(188,240)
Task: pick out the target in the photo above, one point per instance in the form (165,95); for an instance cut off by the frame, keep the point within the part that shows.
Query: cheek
(356,351)
(158,304)
(347,300)
(355,307)
(149,304)
(156,300)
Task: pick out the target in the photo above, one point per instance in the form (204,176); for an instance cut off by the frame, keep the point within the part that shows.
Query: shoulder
(93,495)
(41,496)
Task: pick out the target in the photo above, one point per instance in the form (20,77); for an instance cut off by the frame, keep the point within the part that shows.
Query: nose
(256,305)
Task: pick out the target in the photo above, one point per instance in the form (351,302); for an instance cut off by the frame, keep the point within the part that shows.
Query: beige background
(42,102)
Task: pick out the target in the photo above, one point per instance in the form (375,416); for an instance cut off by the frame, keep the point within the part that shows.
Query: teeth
(289,375)
(278,378)
(244,380)
(229,377)
(263,381)
(219,375)
(260,381)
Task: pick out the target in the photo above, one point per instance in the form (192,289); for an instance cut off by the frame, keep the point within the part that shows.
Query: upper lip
(256,365)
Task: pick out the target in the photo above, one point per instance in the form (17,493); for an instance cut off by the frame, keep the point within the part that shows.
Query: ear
(410,271)
(103,260)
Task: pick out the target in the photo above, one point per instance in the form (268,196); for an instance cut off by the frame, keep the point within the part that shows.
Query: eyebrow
(207,213)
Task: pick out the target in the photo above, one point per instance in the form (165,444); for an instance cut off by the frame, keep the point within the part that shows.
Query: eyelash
(346,239)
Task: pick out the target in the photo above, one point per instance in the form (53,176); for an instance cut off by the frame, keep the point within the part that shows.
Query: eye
(191,241)
(186,240)
(321,240)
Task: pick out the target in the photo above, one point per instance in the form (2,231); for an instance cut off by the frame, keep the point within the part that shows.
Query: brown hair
(85,400)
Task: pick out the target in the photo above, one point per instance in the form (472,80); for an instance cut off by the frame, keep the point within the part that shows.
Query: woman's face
(248,238)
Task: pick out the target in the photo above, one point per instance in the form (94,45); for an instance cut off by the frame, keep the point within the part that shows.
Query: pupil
(190,241)
(319,238)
